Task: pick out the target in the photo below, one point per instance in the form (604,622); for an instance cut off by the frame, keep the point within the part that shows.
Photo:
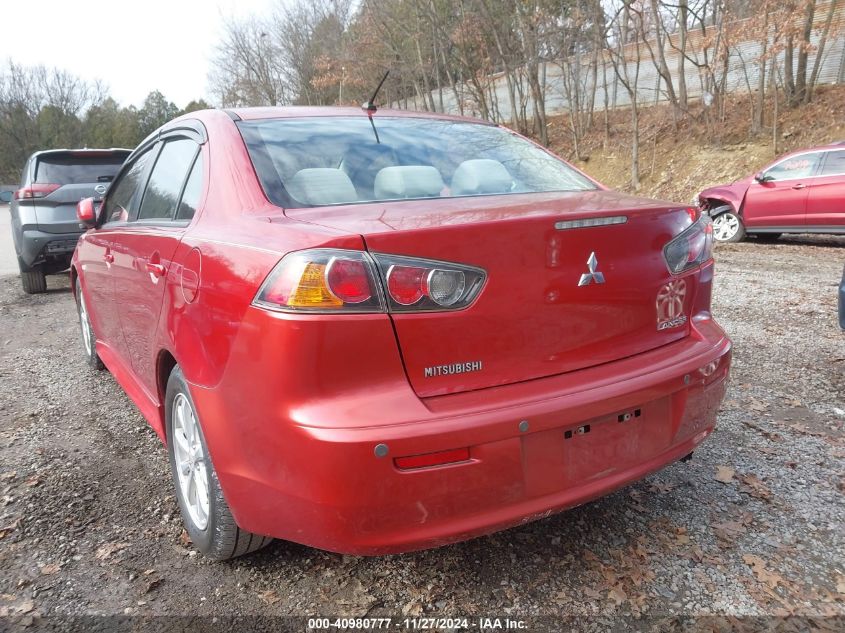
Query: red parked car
(801,192)
(375,334)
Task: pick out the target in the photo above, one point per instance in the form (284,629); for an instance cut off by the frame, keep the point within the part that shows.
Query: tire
(89,341)
(208,519)
(728,227)
(34,281)
(768,237)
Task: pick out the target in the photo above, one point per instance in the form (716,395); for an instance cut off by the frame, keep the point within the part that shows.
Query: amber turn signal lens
(310,291)
(322,280)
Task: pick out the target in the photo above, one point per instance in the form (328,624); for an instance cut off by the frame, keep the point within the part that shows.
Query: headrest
(481,175)
(412,181)
(322,185)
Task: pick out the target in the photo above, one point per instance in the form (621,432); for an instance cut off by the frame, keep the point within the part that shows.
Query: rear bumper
(36,245)
(324,486)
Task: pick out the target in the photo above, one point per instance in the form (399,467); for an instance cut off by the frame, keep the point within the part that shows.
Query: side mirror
(85,212)
(761,178)
(6,196)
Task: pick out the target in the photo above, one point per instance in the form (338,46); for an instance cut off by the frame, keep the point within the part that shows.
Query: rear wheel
(207,517)
(728,227)
(89,341)
(34,281)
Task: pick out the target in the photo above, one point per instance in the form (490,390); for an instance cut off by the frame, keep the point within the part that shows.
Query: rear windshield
(74,170)
(309,162)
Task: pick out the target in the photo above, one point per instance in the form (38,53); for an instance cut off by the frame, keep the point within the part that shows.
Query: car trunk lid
(558,297)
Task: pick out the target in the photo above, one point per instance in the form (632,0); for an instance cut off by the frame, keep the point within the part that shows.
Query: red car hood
(733,193)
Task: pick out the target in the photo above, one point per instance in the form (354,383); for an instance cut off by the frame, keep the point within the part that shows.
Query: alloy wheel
(189,455)
(725,226)
(85,324)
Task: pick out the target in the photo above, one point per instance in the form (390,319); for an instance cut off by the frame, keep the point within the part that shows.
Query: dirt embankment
(676,162)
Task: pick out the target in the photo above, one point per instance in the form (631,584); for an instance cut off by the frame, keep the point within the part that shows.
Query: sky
(134,47)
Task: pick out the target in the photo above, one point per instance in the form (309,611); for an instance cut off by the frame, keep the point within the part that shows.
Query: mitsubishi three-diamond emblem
(594,274)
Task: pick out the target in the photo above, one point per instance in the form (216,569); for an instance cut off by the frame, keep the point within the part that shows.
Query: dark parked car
(801,192)
(44,223)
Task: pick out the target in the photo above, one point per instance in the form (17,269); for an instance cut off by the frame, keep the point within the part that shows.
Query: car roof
(292,112)
(819,148)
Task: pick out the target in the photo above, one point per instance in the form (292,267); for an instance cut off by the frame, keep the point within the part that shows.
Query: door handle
(108,258)
(798,186)
(156,269)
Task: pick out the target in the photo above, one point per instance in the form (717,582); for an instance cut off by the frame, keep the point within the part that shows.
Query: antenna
(370,106)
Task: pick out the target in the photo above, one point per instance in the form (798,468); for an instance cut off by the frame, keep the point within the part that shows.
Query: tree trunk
(660,60)
(803,54)
(788,69)
(682,46)
(760,99)
(811,85)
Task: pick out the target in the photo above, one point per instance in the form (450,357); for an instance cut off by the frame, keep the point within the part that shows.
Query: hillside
(676,165)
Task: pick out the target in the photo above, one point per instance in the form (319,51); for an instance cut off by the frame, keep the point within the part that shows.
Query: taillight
(322,280)
(691,248)
(35,190)
(422,285)
(335,280)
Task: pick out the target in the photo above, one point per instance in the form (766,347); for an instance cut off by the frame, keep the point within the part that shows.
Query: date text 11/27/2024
(417,624)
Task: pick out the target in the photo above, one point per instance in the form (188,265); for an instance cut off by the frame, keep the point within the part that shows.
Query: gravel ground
(754,525)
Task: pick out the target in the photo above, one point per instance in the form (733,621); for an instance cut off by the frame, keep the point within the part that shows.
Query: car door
(146,247)
(96,250)
(826,200)
(779,197)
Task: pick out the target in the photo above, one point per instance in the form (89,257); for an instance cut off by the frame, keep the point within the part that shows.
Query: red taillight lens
(419,285)
(693,213)
(85,211)
(406,284)
(428,460)
(348,280)
(322,280)
(692,247)
(334,280)
(35,190)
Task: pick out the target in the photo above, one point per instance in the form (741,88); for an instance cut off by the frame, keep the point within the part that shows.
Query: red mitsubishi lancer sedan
(375,332)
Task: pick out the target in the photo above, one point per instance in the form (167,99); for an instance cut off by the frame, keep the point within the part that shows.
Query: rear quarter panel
(235,240)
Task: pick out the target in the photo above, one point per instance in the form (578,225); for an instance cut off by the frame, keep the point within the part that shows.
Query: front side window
(122,199)
(166,180)
(801,166)
(834,163)
(308,162)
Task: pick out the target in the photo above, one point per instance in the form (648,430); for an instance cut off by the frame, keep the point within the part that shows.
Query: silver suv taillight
(335,280)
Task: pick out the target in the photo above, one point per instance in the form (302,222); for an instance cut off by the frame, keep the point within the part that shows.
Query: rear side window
(167,178)
(834,163)
(193,191)
(122,198)
(67,169)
